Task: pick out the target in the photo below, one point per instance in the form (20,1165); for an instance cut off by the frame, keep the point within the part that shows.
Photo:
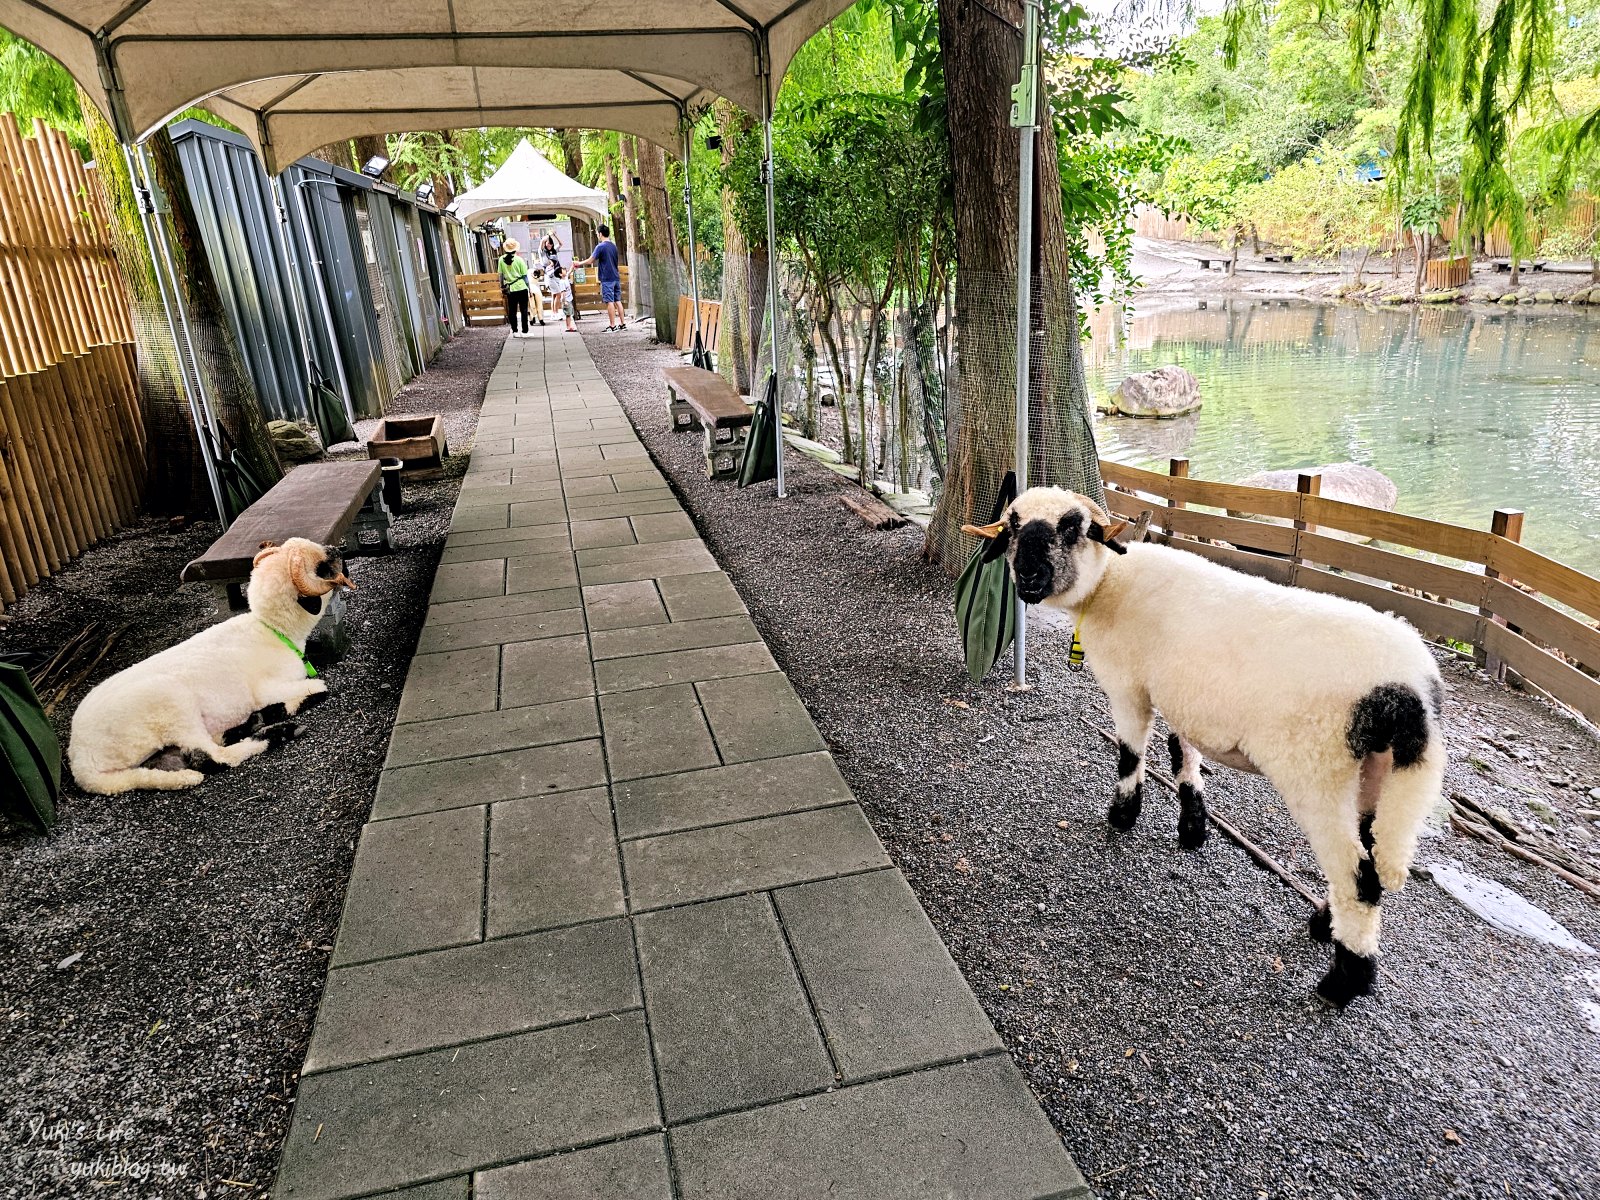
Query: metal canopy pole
(144,196)
(688,208)
(772,255)
(319,278)
(1025,116)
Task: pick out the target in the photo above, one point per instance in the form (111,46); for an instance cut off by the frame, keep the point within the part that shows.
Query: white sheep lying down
(219,698)
(1336,704)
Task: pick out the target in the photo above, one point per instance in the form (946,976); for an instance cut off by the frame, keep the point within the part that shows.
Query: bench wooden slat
(317,501)
(710,395)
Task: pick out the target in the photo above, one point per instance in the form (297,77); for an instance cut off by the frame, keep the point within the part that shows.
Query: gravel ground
(1159,1001)
(162,954)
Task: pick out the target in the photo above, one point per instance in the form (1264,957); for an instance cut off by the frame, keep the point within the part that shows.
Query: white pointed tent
(529,182)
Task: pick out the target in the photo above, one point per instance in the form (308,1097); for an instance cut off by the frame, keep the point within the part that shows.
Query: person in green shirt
(514,281)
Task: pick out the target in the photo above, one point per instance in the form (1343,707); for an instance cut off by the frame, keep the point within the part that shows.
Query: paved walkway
(617,927)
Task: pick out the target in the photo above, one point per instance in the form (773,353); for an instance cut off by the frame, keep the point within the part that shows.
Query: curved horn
(985,531)
(267,548)
(305,582)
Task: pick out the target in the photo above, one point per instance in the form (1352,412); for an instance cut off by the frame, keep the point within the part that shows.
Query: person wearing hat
(514,282)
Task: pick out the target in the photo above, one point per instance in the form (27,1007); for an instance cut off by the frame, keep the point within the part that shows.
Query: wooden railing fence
(71,436)
(1496,596)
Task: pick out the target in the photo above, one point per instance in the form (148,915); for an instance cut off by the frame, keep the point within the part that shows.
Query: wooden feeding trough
(417,441)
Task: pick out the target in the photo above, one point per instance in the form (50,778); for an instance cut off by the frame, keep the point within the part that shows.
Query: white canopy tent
(529,182)
(312,73)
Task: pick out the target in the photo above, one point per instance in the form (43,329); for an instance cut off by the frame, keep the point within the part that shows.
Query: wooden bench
(1502,266)
(330,503)
(1205,263)
(1285,258)
(700,399)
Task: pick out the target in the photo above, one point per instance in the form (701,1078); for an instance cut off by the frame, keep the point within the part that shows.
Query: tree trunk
(743,287)
(982,59)
(1422,262)
(660,240)
(337,153)
(371,146)
(630,218)
(572,152)
(177,479)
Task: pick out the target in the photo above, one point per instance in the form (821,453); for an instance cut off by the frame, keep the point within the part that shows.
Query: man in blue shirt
(604,259)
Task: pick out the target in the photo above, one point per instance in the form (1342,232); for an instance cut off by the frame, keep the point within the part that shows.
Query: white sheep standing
(167,722)
(1338,705)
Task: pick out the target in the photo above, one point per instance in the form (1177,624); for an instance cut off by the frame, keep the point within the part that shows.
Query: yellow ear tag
(1075,654)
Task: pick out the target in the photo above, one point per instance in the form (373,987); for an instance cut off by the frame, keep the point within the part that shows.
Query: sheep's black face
(1043,555)
(332,564)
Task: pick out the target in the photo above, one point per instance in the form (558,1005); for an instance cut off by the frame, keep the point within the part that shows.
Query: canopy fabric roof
(142,61)
(529,182)
(289,117)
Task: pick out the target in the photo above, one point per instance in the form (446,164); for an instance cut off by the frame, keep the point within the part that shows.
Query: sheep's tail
(1396,718)
(130,779)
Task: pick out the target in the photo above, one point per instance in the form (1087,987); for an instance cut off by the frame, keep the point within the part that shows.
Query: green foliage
(1320,206)
(35,86)
(416,158)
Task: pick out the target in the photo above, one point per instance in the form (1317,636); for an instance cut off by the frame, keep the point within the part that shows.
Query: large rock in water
(1346,481)
(293,443)
(1165,392)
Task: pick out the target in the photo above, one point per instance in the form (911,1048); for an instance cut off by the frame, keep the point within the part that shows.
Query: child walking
(560,288)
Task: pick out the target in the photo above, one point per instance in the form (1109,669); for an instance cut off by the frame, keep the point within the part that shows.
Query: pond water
(1466,409)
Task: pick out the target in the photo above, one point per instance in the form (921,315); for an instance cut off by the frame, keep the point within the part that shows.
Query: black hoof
(1192,830)
(1351,975)
(1320,926)
(1124,813)
(277,735)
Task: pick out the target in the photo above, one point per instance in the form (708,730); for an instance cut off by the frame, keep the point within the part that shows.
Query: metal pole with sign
(1025,118)
(772,257)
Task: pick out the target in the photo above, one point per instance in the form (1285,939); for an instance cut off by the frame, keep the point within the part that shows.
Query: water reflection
(1467,410)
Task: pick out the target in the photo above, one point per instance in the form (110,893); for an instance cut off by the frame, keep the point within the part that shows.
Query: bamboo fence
(71,434)
(1520,613)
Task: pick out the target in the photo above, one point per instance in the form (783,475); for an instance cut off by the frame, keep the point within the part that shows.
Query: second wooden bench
(700,399)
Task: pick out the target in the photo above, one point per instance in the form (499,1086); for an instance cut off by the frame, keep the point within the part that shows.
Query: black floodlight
(425,194)
(637,181)
(713,141)
(375,167)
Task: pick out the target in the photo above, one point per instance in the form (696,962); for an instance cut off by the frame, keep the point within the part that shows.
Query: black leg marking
(199,760)
(310,701)
(277,735)
(1369,888)
(1124,811)
(273,713)
(242,730)
(1350,976)
(1192,824)
(1127,760)
(1175,752)
(1321,925)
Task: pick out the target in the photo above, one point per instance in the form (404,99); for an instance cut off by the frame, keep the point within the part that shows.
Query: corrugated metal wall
(378,258)
(238,220)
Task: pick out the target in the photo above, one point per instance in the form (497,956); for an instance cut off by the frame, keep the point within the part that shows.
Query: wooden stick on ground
(1462,824)
(1261,857)
(872,510)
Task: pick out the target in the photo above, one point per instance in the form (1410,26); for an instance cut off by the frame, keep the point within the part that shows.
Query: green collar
(311,672)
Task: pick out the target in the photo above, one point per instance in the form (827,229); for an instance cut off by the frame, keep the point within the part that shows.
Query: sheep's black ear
(997,544)
(1098,533)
